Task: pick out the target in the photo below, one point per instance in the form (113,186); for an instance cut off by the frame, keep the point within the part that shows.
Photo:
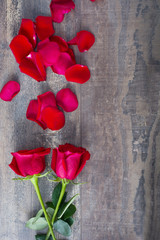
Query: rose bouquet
(67,162)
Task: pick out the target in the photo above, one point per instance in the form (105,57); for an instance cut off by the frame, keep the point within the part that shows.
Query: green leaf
(38,215)
(70,221)
(42,237)
(62,227)
(50,212)
(38,225)
(65,206)
(50,204)
(69,212)
(56,194)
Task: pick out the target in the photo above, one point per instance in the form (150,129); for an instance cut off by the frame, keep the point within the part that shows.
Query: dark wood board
(118,121)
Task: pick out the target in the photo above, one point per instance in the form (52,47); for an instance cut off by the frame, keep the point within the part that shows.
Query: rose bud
(29,162)
(68,160)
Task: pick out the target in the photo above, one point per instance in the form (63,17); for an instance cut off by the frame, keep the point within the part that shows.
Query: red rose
(68,160)
(29,162)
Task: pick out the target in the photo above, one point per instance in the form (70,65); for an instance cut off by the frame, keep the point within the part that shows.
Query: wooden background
(118,120)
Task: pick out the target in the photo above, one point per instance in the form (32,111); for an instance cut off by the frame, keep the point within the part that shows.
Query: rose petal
(77,73)
(46,99)
(72,163)
(27,29)
(49,51)
(61,43)
(9,90)
(59,8)
(63,63)
(44,27)
(32,112)
(71,53)
(84,40)
(33,66)
(67,100)
(58,164)
(54,158)
(20,47)
(41,151)
(13,165)
(85,157)
(53,117)
(69,148)
(60,168)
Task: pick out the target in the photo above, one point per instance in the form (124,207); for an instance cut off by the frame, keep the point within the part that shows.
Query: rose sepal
(29,177)
(57,179)
(78,183)
(23,178)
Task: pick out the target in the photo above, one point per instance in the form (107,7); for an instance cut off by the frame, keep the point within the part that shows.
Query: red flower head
(29,162)
(68,160)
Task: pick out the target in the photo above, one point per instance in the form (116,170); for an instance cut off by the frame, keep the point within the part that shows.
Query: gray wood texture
(118,121)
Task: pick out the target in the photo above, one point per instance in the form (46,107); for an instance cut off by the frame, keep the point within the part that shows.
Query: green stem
(64,184)
(34,181)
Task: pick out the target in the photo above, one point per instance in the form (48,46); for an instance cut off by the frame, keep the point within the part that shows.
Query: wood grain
(118,120)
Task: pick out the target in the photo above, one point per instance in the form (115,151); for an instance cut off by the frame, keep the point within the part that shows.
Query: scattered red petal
(61,43)
(46,99)
(63,63)
(71,53)
(9,90)
(33,66)
(67,100)
(49,51)
(53,117)
(59,8)
(32,112)
(44,27)
(20,47)
(28,30)
(44,111)
(77,73)
(84,40)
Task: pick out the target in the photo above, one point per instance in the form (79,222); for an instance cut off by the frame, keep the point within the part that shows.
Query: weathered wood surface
(118,120)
